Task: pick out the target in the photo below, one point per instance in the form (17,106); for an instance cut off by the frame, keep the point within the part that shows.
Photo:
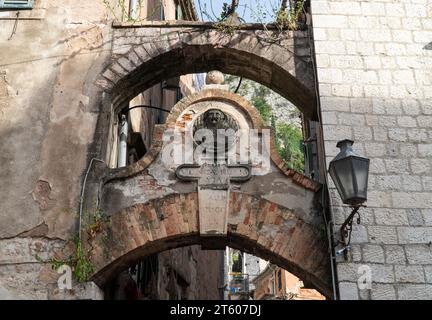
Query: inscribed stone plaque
(213,211)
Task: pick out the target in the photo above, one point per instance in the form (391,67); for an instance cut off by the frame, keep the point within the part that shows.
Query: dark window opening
(136,147)
(279,277)
(178,12)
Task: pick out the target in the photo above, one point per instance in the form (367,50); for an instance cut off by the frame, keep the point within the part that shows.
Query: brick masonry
(375,81)
(256,225)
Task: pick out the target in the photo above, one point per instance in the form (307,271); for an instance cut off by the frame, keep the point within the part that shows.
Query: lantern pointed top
(344,143)
(346,150)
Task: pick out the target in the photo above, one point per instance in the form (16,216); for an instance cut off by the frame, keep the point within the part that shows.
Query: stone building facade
(374,72)
(66,71)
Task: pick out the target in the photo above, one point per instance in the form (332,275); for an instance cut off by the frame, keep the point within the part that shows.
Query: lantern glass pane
(342,171)
(334,177)
(345,174)
(361,169)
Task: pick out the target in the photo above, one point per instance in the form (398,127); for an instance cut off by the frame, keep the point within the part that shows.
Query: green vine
(80,261)
(287,18)
(82,267)
(95,223)
(226,27)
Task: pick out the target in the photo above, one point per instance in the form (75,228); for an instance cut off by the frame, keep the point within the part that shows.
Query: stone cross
(213,192)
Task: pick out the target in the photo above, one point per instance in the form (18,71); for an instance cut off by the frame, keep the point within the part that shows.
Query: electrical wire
(82,194)
(201,11)
(211,8)
(15,26)
(239,84)
(327,223)
(145,106)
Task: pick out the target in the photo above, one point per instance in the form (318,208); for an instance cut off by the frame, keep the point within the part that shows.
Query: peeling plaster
(41,194)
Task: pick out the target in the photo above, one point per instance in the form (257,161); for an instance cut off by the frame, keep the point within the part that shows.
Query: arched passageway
(143,56)
(279,222)
(257,226)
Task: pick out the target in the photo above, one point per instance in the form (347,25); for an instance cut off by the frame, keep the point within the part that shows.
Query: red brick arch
(144,56)
(255,225)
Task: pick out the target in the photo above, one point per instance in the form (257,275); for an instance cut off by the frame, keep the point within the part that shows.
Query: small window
(179,13)
(162,12)
(279,280)
(16,4)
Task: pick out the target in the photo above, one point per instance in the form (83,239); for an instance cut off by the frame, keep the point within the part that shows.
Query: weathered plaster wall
(374,70)
(48,115)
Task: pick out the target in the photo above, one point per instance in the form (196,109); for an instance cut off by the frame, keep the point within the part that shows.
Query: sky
(249,10)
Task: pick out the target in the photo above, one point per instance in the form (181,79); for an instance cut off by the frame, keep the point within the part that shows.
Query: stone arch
(255,225)
(144,56)
(286,231)
(205,95)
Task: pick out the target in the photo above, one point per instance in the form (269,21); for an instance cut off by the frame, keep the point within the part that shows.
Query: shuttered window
(16,4)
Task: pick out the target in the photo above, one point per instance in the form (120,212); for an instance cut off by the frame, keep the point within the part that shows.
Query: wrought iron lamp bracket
(346,228)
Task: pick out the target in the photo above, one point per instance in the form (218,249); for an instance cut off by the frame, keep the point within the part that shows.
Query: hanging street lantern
(349,172)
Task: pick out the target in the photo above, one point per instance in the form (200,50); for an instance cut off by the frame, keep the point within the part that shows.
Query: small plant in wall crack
(229,21)
(226,27)
(80,262)
(95,223)
(82,267)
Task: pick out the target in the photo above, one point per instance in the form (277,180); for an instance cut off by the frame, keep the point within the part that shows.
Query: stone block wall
(374,65)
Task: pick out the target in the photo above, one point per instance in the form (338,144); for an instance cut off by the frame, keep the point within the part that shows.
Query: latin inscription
(213,206)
